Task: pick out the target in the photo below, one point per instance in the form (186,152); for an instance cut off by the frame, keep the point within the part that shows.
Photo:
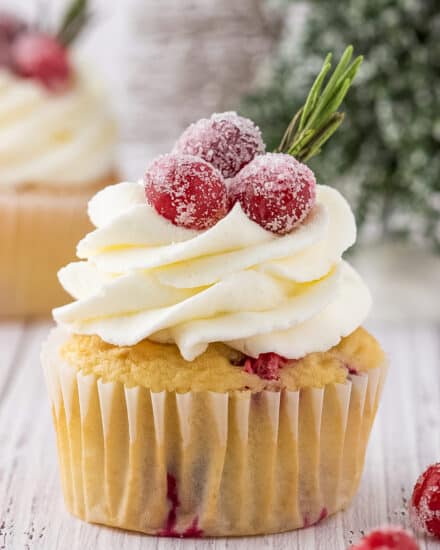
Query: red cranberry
(42,57)
(425,502)
(186,190)
(267,365)
(387,538)
(10,27)
(275,191)
(226,140)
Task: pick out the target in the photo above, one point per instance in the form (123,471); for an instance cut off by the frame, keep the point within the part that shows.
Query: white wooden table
(405,439)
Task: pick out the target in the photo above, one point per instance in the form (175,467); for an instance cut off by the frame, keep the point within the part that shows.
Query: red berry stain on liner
(307,523)
(170,527)
(266,365)
(425,502)
(387,538)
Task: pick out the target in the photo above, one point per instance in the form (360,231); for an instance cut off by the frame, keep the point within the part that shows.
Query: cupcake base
(204,463)
(39,229)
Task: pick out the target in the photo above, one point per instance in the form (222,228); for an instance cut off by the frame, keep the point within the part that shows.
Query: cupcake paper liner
(39,231)
(206,463)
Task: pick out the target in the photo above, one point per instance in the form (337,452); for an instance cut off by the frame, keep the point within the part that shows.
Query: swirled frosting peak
(143,277)
(67,138)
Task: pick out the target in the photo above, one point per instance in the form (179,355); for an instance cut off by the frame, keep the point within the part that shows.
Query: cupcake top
(224,243)
(187,257)
(56,126)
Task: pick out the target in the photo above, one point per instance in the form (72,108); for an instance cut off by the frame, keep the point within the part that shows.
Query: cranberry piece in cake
(275,191)
(266,365)
(226,140)
(425,502)
(41,57)
(186,190)
(387,538)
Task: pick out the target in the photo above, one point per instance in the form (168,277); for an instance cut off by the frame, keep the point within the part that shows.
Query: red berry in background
(10,27)
(226,140)
(425,502)
(41,57)
(275,191)
(186,190)
(387,538)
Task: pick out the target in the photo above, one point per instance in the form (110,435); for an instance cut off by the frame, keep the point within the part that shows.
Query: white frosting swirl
(64,138)
(143,277)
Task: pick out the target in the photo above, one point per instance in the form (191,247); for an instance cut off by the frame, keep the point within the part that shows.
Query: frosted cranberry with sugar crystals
(275,191)
(226,140)
(387,538)
(186,190)
(425,502)
(41,57)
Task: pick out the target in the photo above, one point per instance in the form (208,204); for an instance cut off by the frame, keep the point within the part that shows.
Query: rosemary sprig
(319,118)
(73,21)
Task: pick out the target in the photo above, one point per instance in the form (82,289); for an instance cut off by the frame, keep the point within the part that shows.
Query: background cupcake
(57,148)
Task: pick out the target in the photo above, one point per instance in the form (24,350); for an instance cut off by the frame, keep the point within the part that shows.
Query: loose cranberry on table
(186,190)
(41,57)
(425,502)
(387,538)
(226,140)
(275,191)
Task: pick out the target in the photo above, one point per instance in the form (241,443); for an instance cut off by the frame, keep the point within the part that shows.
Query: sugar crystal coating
(276,191)
(226,140)
(186,190)
(425,502)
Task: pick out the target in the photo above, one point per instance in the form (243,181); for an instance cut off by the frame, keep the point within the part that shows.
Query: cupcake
(57,149)
(212,376)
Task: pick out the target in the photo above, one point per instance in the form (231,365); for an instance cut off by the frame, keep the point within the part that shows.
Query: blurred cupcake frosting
(237,283)
(54,138)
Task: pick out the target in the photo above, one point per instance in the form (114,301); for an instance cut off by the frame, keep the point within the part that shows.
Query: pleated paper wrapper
(39,230)
(205,463)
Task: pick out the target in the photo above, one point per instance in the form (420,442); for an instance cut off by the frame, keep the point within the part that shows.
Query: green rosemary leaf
(73,21)
(334,104)
(350,73)
(331,87)
(289,133)
(314,91)
(321,137)
(319,118)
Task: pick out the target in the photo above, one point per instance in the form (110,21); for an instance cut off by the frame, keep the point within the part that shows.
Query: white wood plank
(405,439)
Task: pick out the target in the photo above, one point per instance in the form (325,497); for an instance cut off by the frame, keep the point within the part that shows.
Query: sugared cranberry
(425,502)
(226,140)
(42,57)
(275,191)
(186,190)
(266,365)
(387,538)
(10,27)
